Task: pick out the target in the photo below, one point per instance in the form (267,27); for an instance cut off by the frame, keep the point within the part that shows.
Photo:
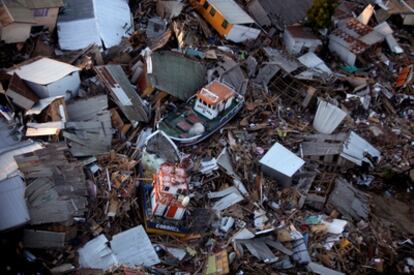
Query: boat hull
(199,138)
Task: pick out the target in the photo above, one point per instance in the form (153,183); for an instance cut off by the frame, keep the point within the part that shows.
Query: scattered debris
(206,136)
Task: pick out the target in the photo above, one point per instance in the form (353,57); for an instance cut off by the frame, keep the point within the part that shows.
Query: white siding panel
(16,32)
(241,33)
(67,86)
(113,20)
(76,35)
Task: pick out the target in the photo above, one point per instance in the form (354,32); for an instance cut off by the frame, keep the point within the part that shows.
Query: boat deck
(177,124)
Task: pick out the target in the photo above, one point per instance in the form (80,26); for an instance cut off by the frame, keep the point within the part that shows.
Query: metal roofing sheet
(175,74)
(282,160)
(36,4)
(356,148)
(123,93)
(43,71)
(113,20)
(14,211)
(84,22)
(76,10)
(233,13)
(328,117)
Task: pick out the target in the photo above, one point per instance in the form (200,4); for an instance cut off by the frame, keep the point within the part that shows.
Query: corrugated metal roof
(37,4)
(43,71)
(123,93)
(14,211)
(175,74)
(356,148)
(233,13)
(109,21)
(133,248)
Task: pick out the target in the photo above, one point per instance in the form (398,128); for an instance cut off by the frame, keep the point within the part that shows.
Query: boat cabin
(169,197)
(214,99)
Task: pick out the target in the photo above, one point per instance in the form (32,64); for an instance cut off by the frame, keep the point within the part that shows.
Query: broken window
(206,5)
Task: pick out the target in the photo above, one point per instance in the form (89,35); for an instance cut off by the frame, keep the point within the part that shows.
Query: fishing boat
(203,114)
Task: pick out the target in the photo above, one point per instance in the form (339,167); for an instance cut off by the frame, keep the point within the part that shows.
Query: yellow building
(228,19)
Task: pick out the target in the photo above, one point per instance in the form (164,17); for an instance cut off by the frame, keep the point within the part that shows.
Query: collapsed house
(48,77)
(351,39)
(344,150)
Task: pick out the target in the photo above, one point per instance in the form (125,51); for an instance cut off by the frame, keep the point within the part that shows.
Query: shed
(281,164)
(298,38)
(15,21)
(48,77)
(100,22)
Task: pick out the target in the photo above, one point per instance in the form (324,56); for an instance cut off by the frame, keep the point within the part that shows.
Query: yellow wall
(215,21)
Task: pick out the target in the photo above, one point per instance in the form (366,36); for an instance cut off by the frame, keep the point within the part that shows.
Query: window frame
(212,11)
(206,5)
(225,24)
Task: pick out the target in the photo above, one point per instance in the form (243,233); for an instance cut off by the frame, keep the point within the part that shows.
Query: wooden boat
(203,114)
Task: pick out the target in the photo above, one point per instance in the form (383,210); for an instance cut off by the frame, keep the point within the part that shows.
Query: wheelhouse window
(212,11)
(206,5)
(225,24)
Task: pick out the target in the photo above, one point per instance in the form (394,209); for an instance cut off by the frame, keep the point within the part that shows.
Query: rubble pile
(206,136)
